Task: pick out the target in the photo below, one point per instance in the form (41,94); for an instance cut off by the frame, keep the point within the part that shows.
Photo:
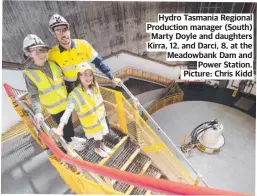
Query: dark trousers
(70,85)
(68,130)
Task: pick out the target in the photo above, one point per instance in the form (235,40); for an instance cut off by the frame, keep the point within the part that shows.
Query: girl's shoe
(101,153)
(107,149)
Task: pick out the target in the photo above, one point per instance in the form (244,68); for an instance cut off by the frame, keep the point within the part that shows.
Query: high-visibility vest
(68,59)
(52,92)
(90,114)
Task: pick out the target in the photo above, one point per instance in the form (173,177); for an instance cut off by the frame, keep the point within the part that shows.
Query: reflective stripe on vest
(94,126)
(56,104)
(82,101)
(73,79)
(52,92)
(68,59)
(72,67)
(90,111)
(51,88)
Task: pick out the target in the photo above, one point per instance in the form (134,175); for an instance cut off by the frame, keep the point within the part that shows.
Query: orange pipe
(8,90)
(158,185)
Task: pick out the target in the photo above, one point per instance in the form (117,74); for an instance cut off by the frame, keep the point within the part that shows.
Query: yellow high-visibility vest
(90,114)
(52,92)
(68,59)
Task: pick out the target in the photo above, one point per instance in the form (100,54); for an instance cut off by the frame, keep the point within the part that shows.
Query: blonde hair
(92,86)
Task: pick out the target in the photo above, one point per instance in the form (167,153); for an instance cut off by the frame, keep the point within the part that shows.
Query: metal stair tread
(136,166)
(151,172)
(122,155)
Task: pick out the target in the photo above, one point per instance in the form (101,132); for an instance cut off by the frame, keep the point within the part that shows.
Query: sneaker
(101,153)
(76,146)
(107,149)
(79,140)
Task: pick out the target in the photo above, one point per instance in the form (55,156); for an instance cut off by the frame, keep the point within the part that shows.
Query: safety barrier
(81,185)
(174,97)
(137,73)
(82,177)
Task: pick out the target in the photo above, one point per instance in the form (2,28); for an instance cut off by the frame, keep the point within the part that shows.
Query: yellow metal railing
(78,182)
(124,117)
(14,131)
(137,73)
(130,122)
(175,97)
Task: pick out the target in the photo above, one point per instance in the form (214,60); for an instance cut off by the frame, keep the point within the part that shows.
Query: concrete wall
(123,60)
(148,97)
(9,115)
(108,26)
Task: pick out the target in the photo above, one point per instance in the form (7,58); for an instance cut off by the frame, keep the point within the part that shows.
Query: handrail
(118,73)
(199,176)
(154,184)
(150,183)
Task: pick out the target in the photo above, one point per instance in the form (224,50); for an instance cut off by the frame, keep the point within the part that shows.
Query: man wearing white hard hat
(70,52)
(45,86)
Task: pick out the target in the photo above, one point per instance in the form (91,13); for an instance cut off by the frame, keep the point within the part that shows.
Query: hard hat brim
(82,70)
(36,46)
(59,24)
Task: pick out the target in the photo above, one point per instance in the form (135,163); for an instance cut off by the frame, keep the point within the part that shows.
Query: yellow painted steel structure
(14,131)
(125,118)
(175,97)
(137,73)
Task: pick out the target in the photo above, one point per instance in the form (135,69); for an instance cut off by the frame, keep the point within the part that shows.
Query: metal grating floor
(120,158)
(88,153)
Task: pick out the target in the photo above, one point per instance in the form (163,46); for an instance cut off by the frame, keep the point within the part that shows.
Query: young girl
(87,101)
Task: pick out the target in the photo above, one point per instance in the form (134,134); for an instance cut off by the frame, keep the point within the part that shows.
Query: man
(70,52)
(45,86)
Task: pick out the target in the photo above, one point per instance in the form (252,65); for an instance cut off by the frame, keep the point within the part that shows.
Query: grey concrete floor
(231,169)
(25,169)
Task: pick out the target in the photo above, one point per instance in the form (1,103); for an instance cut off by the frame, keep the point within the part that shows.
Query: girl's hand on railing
(59,130)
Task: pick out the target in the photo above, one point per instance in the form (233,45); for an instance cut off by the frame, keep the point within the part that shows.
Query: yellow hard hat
(82,67)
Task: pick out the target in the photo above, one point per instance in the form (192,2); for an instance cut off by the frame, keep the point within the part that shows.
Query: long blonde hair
(93,85)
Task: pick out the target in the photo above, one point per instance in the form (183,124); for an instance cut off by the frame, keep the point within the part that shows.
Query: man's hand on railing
(117,81)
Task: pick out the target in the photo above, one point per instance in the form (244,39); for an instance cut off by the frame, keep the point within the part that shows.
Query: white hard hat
(32,41)
(82,67)
(57,20)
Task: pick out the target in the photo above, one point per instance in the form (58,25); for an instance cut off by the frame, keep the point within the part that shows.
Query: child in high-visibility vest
(87,101)
(46,87)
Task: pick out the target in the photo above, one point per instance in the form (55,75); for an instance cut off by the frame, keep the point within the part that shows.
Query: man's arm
(97,60)
(99,64)
(33,95)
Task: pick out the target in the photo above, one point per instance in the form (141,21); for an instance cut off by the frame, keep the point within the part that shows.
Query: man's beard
(65,43)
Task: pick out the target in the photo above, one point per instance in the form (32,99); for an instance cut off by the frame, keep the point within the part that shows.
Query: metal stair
(126,156)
